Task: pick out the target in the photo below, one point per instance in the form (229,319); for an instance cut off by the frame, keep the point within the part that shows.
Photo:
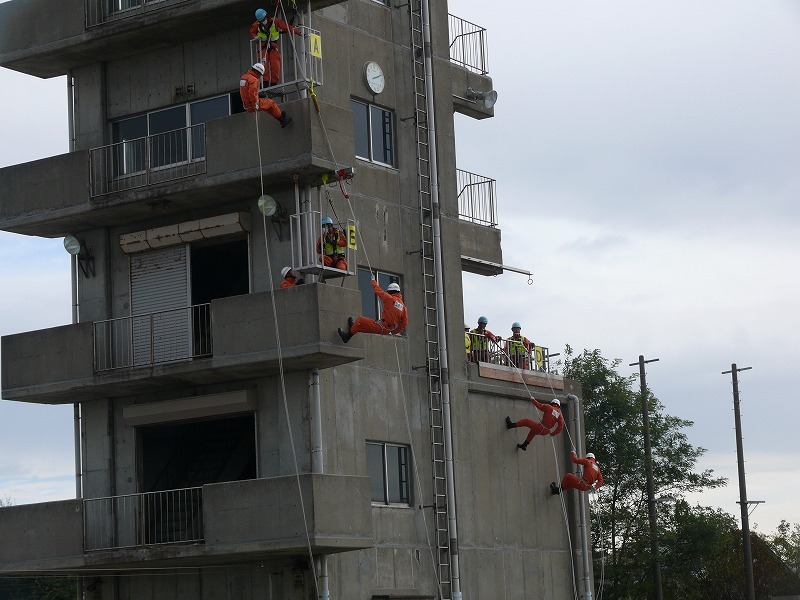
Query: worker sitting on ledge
(290,278)
(251,100)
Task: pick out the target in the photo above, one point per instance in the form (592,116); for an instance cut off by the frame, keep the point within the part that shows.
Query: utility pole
(743,504)
(658,594)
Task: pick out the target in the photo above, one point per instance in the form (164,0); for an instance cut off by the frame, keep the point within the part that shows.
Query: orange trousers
(365,325)
(570,481)
(269,105)
(337,262)
(271,59)
(535,428)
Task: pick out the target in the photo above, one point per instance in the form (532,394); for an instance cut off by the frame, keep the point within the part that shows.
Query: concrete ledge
(483,243)
(503,373)
(461,80)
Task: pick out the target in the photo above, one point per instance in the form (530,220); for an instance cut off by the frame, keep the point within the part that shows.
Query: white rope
(566,524)
(416,469)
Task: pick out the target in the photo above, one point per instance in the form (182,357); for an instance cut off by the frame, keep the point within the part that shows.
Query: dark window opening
(219,271)
(388,469)
(184,455)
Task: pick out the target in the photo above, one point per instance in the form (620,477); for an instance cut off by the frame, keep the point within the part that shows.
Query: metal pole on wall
(748,557)
(658,594)
(584,520)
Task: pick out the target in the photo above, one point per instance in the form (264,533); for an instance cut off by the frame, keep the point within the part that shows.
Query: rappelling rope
(416,469)
(566,524)
(280,368)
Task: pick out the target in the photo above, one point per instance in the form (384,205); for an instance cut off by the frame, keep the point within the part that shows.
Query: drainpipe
(318,467)
(583,525)
(455,575)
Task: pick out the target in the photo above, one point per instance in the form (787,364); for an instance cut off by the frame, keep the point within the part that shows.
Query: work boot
(510,424)
(554,489)
(350,323)
(284,120)
(345,336)
(523,446)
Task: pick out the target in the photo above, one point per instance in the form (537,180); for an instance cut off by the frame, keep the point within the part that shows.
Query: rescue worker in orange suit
(330,245)
(480,341)
(590,478)
(248,90)
(290,278)
(268,29)
(519,348)
(394,316)
(552,421)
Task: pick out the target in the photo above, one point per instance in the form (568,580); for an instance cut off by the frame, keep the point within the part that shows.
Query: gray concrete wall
(45,535)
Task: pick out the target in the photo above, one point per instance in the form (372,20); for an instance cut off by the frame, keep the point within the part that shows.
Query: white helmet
(285,270)
(393,287)
(258,67)
(590,455)
(556,402)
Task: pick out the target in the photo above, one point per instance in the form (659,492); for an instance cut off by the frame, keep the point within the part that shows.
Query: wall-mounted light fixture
(269,207)
(78,248)
(487,98)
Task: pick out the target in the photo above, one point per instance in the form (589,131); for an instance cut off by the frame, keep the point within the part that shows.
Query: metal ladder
(431,318)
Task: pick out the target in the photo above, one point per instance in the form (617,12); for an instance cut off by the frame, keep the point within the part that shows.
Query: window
(167,136)
(388,468)
(374,132)
(370,304)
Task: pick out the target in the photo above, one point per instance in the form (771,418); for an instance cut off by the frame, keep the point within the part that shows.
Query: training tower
(229,445)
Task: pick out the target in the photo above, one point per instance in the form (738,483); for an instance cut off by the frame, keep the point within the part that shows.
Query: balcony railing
(507,353)
(103,11)
(468,45)
(159,337)
(476,198)
(147,160)
(170,517)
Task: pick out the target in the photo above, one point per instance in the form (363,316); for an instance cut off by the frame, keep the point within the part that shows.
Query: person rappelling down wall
(552,421)
(394,316)
(591,478)
(251,100)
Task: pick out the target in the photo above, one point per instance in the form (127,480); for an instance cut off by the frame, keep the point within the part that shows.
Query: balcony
(86,30)
(241,519)
(235,340)
(179,171)
(481,252)
(469,67)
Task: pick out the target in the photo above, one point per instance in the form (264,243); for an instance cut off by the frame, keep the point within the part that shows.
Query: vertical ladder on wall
(431,317)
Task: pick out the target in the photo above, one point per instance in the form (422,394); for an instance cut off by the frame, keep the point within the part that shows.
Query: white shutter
(161,323)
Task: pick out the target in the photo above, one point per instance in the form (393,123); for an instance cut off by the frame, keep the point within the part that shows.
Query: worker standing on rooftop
(248,90)
(480,341)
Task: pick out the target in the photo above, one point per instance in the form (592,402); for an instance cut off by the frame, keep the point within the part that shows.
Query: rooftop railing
(476,198)
(103,11)
(158,337)
(169,517)
(508,353)
(468,46)
(152,159)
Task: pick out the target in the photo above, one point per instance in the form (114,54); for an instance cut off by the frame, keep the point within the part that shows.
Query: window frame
(404,486)
(383,278)
(371,132)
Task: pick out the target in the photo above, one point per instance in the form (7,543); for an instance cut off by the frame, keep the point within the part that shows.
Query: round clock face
(374,78)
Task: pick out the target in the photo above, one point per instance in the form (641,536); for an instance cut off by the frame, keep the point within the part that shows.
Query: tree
(612,416)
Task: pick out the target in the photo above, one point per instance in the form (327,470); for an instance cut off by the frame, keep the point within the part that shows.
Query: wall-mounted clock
(374,77)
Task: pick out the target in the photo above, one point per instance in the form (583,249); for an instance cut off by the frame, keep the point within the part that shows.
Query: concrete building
(230,445)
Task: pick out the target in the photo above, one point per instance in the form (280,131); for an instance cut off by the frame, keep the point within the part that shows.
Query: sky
(647,158)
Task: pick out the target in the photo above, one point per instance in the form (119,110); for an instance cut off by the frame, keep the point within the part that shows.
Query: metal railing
(169,517)
(150,338)
(147,160)
(506,353)
(468,45)
(476,198)
(306,235)
(301,61)
(103,11)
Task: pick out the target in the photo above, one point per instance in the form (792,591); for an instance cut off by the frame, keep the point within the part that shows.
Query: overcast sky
(647,158)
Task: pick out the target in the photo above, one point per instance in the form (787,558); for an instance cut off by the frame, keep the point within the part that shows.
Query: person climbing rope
(590,478)
(480,341)
(394,316)
(331,244)
(552,421)
(248,90)
(268,29)
(290,278)
(518,348)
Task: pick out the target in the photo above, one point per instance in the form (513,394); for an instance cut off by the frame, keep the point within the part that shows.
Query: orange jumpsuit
(248,90)
(328,246)
(288,282)
(552,421)
(591,474)
(394,316)
(269,53)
